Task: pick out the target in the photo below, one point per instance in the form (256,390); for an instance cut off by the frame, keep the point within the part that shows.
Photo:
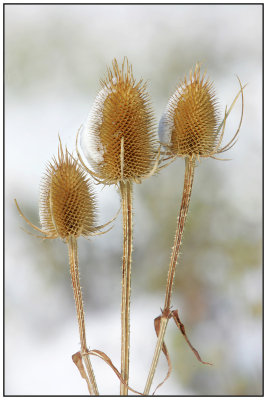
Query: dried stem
(126,196)
(163,327)
(188,182)
(74,270)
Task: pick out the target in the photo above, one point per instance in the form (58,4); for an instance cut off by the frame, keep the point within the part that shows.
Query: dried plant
(189,128)
(68,211)
(118,140)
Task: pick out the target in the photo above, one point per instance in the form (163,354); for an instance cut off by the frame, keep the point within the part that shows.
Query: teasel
(189,128)
(67,211)
(119,142)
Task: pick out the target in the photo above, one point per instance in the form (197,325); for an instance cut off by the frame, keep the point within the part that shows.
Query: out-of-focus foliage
(54,57)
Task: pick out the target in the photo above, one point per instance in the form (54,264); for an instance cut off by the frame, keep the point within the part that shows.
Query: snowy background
(54,58)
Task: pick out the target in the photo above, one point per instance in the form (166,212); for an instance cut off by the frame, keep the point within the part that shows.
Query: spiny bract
(67,206)
(189,124)
(118,139)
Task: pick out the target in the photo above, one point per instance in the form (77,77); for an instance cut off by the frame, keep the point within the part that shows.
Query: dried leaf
(179,324)
(165,351)
(105,358)
(77,359)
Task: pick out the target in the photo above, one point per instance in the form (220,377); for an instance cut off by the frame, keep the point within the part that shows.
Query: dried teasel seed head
(118,139)
(189,125)
(67,205)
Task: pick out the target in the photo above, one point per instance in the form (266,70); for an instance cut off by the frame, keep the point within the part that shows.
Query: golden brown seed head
(189,125)
(67,206)
(118,139)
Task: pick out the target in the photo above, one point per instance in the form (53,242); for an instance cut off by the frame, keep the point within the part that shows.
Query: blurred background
(54,58)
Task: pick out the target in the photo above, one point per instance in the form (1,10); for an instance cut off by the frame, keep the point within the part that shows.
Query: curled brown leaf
(180,325)
(105,358)
(165,351)
(77,359)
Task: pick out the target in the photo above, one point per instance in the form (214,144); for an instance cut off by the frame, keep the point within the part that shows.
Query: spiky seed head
(189,124)
(67,205)
(118,139)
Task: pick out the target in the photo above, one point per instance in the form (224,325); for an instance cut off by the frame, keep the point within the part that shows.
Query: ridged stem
(74,271)
(162,330)
(188,182)
(126,196)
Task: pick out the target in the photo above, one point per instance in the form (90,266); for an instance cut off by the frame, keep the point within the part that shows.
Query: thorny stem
(188,182)
(126,196)
(163,327)
(74,270)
